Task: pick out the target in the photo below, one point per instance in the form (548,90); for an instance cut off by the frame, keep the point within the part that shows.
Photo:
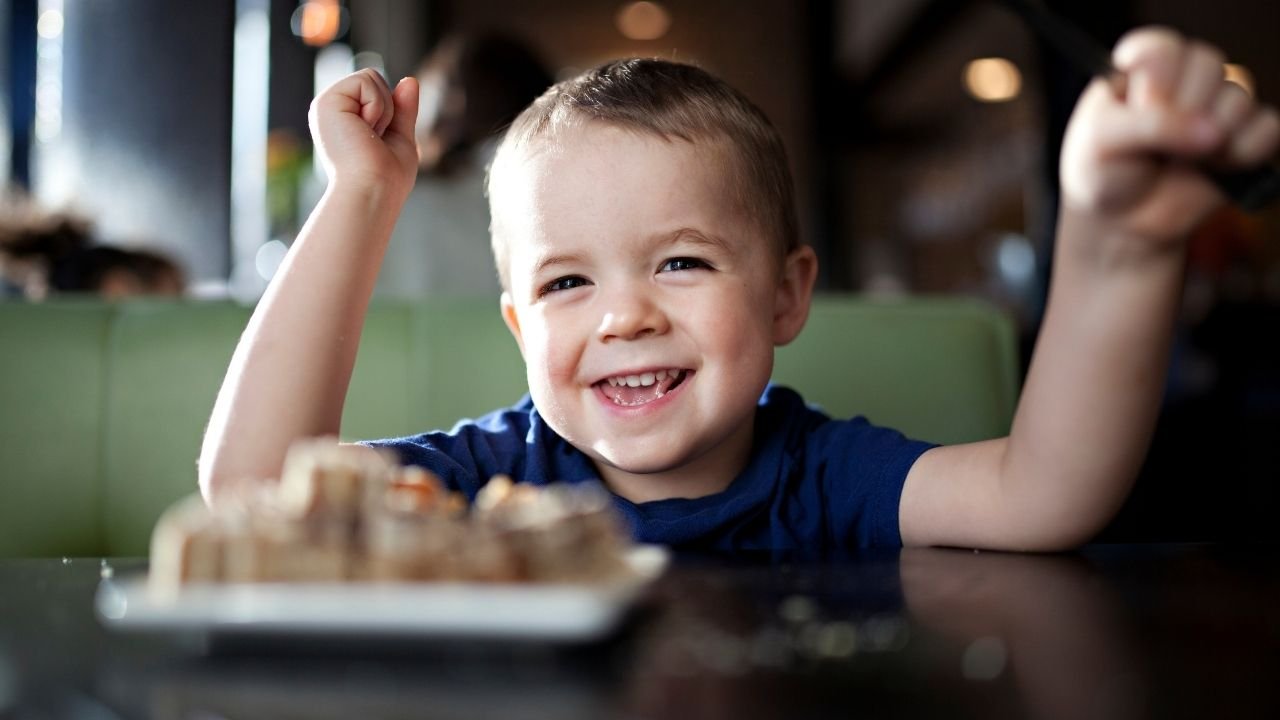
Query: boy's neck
(710,473)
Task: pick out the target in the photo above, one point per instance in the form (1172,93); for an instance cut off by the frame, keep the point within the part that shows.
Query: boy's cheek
(540,327)
(744,314)
(549,362)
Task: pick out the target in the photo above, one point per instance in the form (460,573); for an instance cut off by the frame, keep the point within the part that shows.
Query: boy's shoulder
(513,441)
(813,482)
(789,424)
(509,424)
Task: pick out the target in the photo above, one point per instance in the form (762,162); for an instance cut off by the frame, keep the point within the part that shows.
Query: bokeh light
(992,79)
(269,258)
(319,22)
(643,21)
(50,24)
(48,94)
(1241,76)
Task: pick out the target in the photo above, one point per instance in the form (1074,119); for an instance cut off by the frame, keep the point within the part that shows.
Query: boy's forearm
(1133,189)
(289,375)
(1096,379)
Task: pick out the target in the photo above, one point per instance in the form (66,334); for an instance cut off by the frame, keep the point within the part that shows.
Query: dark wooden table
(1117,631)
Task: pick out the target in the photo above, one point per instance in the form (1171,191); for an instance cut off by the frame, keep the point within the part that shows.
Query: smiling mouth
(633,390)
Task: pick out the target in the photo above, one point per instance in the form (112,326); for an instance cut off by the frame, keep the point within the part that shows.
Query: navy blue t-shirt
(812,484)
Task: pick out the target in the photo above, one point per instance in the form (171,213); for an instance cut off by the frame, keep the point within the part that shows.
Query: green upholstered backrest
(164,364)
(467,360)
(167,361)
(943,370)
(52,376)
(102,406)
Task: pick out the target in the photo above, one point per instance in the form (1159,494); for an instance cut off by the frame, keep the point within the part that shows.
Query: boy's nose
(632,317)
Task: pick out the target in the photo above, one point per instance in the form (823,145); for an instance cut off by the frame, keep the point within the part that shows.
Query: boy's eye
(683,263)
(565,283)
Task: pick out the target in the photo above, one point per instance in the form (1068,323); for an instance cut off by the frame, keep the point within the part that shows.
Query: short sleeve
(466,456)
(864,468)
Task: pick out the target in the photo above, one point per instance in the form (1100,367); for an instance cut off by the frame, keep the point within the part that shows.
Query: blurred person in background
(43,255)
(472,87)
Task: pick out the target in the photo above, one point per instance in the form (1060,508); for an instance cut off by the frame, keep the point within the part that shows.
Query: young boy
(644,231)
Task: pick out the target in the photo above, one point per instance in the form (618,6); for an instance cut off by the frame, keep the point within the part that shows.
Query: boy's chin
(646,479)
(646,458)
(639,463)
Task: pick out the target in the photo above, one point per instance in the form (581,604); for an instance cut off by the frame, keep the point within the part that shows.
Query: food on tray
(342,512)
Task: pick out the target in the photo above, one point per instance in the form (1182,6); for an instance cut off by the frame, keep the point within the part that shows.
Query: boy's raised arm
(289,375)
(1132,191)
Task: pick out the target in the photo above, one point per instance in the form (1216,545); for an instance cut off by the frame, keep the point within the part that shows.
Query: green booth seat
(52,381)
(943,370)
(103,406)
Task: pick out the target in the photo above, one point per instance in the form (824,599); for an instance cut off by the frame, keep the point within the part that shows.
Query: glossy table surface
(1113,631)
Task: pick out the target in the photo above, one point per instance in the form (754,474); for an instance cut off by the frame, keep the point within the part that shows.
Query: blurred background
(923,137)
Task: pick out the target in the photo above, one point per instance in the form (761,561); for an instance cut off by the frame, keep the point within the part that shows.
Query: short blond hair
(672,101)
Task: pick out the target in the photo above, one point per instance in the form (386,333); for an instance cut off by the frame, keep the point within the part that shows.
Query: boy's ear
(795,291)
(510,318)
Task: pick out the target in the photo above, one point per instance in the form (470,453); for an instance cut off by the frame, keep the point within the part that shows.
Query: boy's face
(646,305)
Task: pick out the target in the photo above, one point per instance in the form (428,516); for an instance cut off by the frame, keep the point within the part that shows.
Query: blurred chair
(102,406)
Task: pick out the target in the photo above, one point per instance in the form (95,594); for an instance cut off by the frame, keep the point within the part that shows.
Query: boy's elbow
(1062,519)
(1016,536)
(1051,542)
(1060,532)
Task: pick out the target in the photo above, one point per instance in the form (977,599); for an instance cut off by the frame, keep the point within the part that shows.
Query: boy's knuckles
(1231,107)
(1209,56)
(1145,44)
(1202,76)
(372,111)
(1095,104)
(1257,140)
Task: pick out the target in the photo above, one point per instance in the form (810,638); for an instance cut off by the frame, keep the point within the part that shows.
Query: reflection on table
(1111,632)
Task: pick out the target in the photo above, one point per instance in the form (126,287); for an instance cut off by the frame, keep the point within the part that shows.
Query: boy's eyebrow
(686,234)
(558,259)
(695,237)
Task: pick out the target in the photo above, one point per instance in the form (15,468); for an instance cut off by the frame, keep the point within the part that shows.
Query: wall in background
(6,129)
(144,149)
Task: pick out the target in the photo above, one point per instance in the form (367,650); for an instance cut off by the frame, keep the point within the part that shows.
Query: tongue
(626,395)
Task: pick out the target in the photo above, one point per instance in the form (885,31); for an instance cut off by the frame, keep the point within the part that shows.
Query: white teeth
(643,379)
